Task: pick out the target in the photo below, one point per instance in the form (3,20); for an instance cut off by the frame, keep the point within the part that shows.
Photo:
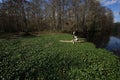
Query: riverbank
(43,57)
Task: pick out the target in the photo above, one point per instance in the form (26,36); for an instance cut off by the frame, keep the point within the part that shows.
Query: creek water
(113,45)
(106,40)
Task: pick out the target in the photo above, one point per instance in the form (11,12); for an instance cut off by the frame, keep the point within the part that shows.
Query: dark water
(105,40)
(114,45)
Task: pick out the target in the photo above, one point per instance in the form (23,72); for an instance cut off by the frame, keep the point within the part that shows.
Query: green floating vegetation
(45,58)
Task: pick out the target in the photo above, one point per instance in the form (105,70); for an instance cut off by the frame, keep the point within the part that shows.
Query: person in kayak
(75,36)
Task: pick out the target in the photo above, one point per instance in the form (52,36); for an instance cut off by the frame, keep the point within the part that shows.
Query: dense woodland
(54,15)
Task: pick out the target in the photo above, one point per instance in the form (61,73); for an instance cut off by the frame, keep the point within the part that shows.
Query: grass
(45,58)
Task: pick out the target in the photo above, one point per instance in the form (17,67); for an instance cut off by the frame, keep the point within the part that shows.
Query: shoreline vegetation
(43,57)
(30,35)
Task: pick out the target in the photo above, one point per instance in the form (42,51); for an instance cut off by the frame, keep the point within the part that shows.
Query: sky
(114,5)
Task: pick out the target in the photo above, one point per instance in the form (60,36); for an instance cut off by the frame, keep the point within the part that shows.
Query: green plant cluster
(45,58)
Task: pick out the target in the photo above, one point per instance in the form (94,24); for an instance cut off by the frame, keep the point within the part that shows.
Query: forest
(54,15)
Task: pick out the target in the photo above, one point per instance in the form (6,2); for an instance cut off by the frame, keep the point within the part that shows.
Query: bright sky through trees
(114,5)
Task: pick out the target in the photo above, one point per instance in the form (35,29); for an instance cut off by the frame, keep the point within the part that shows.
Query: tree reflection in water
(105,40)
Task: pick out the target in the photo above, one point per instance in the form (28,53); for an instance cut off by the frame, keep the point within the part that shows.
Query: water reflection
(114,45)
(100,39)
(105,40)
